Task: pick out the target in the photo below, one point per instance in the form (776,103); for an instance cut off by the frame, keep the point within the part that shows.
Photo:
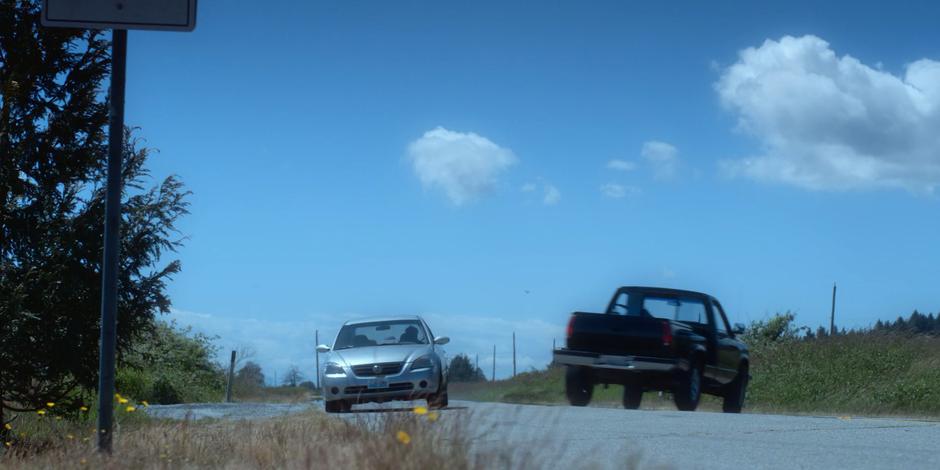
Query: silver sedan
(383,359)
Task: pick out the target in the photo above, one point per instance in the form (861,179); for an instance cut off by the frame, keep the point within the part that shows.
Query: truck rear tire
(736,391)
(632,396)
(689,389)
(578,386)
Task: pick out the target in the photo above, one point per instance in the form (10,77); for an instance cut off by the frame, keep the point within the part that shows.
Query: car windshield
(381,333)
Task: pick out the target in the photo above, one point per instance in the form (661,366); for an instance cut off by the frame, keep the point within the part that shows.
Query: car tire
(632,396)
(689,389)
(578,386)
(736,391)
(336,406)
(438,400)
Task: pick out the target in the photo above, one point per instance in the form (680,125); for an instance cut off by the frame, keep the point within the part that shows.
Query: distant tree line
(782,327)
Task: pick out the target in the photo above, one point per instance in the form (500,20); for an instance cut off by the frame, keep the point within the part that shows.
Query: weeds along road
(565,437)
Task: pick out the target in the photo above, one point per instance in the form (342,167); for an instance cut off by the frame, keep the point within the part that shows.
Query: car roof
(358,321)
(664,291)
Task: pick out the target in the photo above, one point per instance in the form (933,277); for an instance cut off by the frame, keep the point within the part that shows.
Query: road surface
(563,436)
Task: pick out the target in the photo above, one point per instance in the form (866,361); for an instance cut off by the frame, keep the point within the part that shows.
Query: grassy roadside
(419,440)
(875,374)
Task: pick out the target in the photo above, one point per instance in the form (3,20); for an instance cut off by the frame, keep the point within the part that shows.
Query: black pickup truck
(652,338)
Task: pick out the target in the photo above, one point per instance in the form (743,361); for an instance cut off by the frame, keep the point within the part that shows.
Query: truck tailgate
(617,334)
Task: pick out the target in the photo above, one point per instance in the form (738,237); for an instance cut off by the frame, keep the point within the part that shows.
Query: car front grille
(386,368)
(362,390)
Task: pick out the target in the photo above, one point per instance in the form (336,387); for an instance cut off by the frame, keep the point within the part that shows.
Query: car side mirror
(738,329)
(441,340)
(323,348)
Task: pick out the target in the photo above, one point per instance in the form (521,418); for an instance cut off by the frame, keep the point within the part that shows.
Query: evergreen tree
(462,370)
(52,158)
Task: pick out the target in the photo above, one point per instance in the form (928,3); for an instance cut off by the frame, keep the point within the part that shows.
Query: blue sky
(495,166)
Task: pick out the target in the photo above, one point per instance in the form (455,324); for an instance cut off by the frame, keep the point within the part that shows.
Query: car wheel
(578,386)
(632,396)
(438,400)
(336,406)
(736,391)
(689,389)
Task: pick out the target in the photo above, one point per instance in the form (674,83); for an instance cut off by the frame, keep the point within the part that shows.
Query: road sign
(163,15)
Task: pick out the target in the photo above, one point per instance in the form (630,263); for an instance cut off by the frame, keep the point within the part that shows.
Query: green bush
(171,365)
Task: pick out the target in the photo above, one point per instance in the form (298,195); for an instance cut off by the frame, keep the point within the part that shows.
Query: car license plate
(378,384)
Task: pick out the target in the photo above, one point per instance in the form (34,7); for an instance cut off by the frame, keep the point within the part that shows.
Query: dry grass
(307,440)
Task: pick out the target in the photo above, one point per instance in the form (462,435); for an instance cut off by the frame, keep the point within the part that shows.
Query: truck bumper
(618,362)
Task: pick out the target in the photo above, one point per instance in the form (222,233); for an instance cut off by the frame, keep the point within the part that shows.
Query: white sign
(164,15)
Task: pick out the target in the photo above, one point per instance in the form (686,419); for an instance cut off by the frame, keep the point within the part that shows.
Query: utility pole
(316,340)
(832,316)
(494,363)
(513,353)
(231,374)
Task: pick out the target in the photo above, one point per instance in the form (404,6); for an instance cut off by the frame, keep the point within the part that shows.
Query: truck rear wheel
(689,389)
(632,396)
(578,386)
(736,391)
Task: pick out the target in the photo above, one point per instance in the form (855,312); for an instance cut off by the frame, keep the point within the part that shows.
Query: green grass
(865,374)
(874,374)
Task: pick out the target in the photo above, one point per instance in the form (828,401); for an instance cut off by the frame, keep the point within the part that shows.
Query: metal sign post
(112,241)
(119,16)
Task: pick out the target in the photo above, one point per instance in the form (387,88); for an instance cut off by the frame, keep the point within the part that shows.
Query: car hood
(375,354)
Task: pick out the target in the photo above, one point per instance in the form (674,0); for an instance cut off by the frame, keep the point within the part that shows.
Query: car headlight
(423,362)
(333,368)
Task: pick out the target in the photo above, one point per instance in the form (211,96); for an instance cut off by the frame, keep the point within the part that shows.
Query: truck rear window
(684,310)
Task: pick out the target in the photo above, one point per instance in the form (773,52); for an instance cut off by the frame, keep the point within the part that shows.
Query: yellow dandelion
(122,401)
(8,427)
(69,436)
(130,409)
(403,437)
(41,412)
(432,416)
(8,443)
(50,404)
(421,410)
(84,408)
(117,395)
(144,402)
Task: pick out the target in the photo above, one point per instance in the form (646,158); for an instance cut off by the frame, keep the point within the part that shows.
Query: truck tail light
(570,329)
(667,333)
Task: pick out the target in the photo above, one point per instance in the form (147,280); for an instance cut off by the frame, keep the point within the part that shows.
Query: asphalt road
(565,437)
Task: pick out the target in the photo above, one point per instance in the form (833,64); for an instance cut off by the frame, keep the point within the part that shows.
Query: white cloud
(622,165)
(463,165)
(830,122)
(618,191)
(663,157)
(552,195)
